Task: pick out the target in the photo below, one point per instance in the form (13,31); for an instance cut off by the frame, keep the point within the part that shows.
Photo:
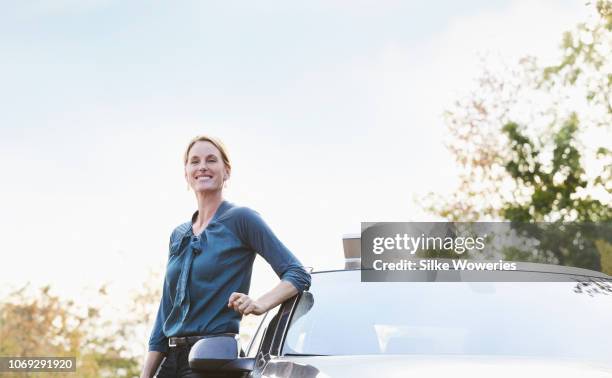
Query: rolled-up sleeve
(258,235)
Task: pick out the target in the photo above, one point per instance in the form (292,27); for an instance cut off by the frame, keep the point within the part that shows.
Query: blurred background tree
(533,144)
(40,323)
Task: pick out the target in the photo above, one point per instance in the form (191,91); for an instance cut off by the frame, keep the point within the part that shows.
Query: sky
(331,111)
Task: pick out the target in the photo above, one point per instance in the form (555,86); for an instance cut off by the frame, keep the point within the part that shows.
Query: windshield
(343,316)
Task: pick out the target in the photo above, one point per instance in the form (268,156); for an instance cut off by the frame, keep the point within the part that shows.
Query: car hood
(392,366)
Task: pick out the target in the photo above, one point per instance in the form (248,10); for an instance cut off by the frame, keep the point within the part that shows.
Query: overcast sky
(331,111)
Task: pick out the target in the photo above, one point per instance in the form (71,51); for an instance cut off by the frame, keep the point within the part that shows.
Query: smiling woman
(209,266)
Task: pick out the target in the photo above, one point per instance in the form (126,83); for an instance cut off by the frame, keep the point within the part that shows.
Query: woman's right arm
(151,364)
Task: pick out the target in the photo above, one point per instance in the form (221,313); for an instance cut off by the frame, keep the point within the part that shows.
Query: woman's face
(205,170)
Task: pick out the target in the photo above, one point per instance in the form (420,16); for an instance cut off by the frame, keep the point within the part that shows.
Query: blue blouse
(204,270)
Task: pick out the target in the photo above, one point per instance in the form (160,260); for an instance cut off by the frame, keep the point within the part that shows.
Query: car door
(268,339)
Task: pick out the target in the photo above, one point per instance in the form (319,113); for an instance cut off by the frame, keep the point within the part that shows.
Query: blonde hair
(215,142)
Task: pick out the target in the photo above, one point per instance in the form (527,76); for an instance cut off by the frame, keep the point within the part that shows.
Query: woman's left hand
(243,304)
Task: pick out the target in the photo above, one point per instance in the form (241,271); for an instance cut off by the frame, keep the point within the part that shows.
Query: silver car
(343,327)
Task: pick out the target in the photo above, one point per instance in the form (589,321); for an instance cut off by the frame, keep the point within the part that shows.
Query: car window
(255,342)
(343,316)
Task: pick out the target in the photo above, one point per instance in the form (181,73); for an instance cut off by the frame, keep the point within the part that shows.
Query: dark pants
(176,365)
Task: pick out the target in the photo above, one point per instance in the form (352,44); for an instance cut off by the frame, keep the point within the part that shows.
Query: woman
(209,266)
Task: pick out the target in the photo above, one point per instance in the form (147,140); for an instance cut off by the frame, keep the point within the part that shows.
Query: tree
(40,323)
(521,143)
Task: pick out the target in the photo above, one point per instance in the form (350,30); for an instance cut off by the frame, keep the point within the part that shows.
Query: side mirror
(220,353)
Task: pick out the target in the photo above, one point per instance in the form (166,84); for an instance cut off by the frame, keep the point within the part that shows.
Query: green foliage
(605,251)
(587,49)
(554,192)
(541,170)
(520,171)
